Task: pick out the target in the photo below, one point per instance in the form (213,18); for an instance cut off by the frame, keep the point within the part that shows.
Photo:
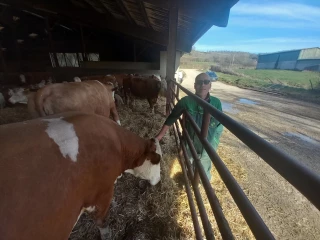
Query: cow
(105,79)
(55,168)
(141,87)
(119,78)
(20,94)
(90,96)
(118,100)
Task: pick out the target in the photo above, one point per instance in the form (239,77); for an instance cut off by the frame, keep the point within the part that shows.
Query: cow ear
(154,157)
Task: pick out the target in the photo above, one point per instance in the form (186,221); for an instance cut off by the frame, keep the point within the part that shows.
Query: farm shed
(290,60)
(68,37)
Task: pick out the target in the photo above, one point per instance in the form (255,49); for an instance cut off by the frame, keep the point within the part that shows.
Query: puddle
(229,108)
(302,137)
(247,101)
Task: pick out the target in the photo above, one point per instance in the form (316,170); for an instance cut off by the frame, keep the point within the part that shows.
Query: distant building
(303,59)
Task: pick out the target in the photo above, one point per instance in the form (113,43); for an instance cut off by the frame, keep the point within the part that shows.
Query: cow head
(19,95)
(150,168)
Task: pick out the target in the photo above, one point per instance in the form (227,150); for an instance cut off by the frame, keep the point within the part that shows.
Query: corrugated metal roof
(310,53)
(293,50)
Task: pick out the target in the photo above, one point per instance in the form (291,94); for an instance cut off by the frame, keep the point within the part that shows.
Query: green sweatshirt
(196,112)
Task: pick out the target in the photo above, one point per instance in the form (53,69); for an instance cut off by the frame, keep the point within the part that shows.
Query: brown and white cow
(54,168)
(141,87)
(89,96)
(105,79)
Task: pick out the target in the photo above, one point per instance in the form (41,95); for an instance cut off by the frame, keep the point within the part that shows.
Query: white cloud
(282,40)
(284,9)
(264,22)
(275,15)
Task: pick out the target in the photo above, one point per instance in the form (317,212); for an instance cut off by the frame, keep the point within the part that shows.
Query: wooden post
(51,46)
(84,53)
(16,45)
(3,64)
(171,50)
(134,52)
(78,58)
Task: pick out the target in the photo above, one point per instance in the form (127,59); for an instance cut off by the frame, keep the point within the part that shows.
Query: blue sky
(261,26)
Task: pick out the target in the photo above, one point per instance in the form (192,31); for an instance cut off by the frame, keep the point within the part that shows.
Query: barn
(303,59)
(74,37)
(66,38)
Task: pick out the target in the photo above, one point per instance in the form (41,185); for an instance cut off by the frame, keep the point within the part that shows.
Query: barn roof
(140,19)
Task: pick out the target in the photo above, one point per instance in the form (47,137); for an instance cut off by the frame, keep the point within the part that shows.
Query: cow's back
(143,87)
(35,184)
(44,185)
(87,96)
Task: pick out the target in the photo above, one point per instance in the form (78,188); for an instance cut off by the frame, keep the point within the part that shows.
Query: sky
(262,26)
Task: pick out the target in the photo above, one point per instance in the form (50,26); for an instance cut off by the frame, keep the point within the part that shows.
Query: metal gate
(302,178)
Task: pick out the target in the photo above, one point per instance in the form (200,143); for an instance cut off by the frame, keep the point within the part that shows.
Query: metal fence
(306,181)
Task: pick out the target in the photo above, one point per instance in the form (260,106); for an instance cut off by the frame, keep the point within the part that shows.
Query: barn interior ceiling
(29,21)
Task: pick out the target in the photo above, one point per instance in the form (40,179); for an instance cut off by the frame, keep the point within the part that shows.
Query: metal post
(203,214)
(177,92)
(204,134)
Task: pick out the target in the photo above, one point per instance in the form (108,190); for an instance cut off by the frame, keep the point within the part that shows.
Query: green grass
(293,83)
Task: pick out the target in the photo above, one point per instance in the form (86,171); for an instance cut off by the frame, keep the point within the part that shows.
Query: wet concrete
(302,138)
(247,101)
(229,108)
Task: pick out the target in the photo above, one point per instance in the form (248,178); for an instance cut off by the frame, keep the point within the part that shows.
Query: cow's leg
(115,114)
(101,213)
(152,102)
(131,102)
(125,95)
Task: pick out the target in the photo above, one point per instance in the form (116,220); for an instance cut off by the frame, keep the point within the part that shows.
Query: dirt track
(291,125)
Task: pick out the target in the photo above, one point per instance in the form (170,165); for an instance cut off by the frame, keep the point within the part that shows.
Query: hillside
(238,68)
(198,60)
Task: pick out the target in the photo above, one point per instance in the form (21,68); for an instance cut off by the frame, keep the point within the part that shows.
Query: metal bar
(252,217)
(174,94)
(177,93)
(168,98)
(223,225)
(204,133)
(202,210)
(193,211)
(301,177)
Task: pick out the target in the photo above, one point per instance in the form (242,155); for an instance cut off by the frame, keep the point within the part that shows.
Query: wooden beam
(172,43)
(171,52)
(213,11)
(125,11)
(108,10)
(99,21)
(144,13)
